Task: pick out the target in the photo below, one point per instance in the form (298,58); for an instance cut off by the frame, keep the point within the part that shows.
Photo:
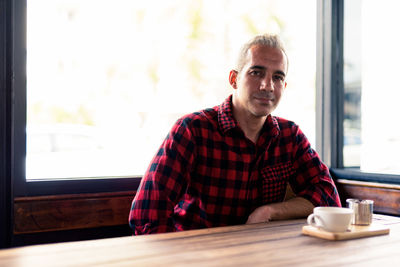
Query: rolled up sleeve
(163,184)
(312,180)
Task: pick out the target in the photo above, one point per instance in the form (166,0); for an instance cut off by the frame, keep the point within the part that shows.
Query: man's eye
(255,73)
(279,78)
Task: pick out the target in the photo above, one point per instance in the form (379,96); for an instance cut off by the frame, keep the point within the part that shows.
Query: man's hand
(296,207)
(260,214)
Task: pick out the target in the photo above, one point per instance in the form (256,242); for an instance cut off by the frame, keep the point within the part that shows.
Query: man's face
(259,85)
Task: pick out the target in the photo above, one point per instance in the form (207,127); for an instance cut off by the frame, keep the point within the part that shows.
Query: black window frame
(329,82)
(5,119)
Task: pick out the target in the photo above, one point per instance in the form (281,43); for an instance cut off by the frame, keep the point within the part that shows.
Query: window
(371,93)
(107,79)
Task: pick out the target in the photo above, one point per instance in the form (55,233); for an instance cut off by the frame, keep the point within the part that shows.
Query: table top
(279,243)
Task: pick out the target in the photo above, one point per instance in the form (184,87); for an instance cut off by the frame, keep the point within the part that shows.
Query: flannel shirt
(207,173)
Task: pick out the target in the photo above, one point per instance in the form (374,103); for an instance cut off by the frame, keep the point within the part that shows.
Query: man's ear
(233,78)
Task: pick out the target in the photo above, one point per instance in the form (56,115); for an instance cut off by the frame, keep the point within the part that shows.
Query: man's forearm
(296,207)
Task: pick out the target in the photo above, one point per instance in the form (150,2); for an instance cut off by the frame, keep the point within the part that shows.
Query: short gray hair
(269,40)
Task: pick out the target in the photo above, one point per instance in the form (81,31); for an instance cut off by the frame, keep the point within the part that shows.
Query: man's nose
(267,84)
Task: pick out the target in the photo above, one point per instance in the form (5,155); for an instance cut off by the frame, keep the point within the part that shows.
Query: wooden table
(271,244)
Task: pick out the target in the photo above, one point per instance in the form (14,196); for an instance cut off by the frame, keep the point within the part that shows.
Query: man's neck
(250,124)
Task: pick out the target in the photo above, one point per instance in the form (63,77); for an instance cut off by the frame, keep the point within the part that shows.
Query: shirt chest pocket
(274,182)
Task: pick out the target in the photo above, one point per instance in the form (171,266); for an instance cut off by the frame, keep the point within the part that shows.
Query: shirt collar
(225,115)
(228,122)
(271,126)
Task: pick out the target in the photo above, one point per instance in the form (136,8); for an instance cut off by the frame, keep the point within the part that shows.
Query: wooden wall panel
(66,212)
(83,211)
(386,197)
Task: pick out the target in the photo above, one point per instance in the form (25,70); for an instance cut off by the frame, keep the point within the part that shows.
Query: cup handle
(311,220)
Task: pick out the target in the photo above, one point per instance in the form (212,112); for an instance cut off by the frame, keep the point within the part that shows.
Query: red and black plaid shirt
(207,173)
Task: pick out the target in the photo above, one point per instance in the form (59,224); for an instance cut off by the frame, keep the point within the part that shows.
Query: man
(232,164)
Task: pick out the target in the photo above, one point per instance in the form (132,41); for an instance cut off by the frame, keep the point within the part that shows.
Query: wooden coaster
(355,231)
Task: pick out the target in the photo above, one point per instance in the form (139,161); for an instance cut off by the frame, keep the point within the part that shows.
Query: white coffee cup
(332,219)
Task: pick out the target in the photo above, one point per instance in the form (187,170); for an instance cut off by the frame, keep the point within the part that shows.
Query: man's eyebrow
(257,67)
(280,73)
